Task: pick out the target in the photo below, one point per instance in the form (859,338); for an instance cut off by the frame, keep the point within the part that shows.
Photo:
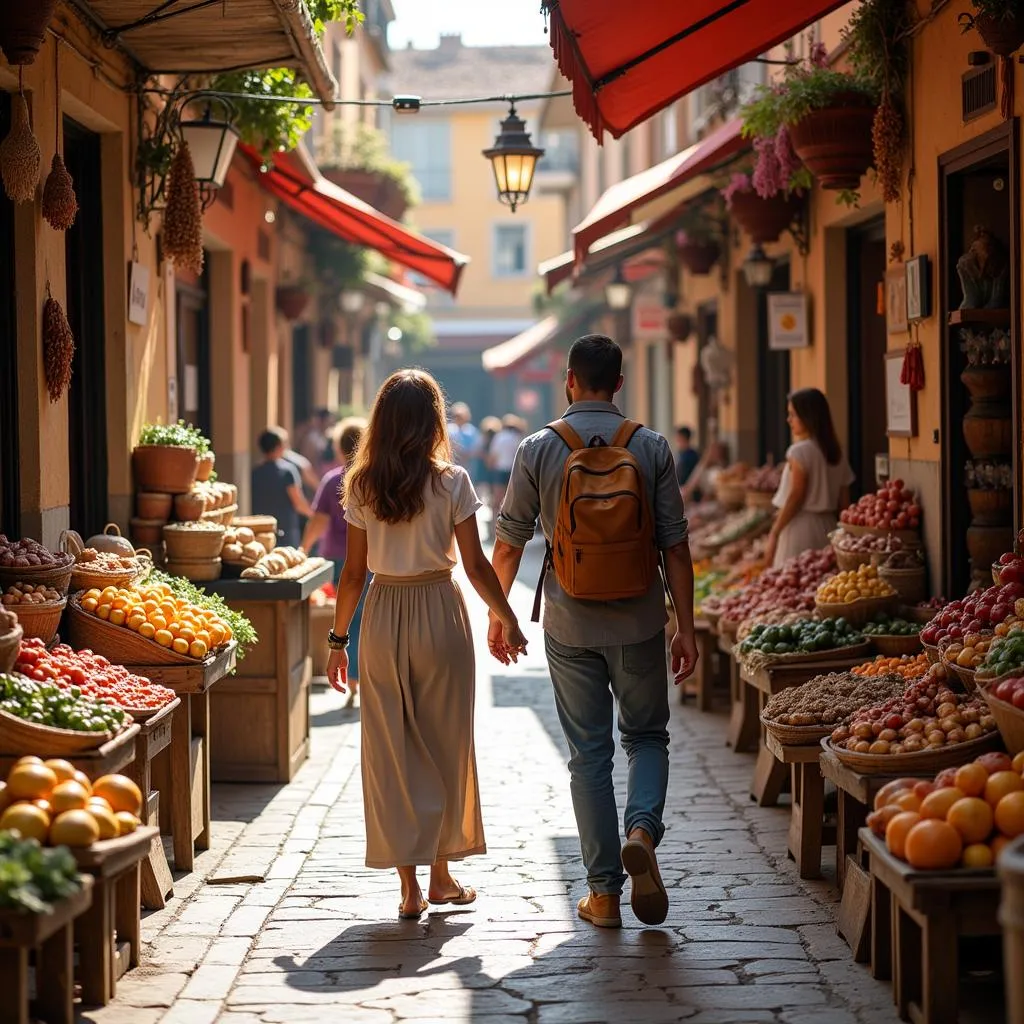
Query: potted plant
(292,299)
(166,459)
(698,243)
(1000,23)
(764,218)
(816,120)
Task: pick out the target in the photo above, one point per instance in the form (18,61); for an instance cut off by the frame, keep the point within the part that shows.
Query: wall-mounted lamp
(617,293)
(758,267)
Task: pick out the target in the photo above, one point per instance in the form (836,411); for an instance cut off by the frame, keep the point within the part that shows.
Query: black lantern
(617,292)
(211,142)
(514,159)
(758,267)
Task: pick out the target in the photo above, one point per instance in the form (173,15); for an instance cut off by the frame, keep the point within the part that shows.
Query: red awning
(624,68)
(612,210)
(293,178)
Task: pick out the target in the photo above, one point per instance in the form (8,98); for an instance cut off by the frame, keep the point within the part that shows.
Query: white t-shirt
(824,482)
(426,543)
(504,446)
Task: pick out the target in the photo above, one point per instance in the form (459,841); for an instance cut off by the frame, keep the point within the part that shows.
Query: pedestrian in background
(277,487)
(501,457)
(702,481)
(687,456)
(489,428)
(465,439)
(407,507)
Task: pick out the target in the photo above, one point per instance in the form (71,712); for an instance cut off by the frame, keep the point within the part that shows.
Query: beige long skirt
(417,679)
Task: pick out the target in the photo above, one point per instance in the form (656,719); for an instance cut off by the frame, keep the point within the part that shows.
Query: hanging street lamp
(514,159)
(617,293)
(758,267)
(211,141)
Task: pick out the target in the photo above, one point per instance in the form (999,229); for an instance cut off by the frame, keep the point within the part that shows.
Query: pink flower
(789,162)
(768,179)
(819,55)
(737,183)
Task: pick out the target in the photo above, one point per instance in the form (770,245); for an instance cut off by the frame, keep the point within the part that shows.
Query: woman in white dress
(815,482)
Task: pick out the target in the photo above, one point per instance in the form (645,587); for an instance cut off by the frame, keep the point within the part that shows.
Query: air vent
(978,91)
(263,246)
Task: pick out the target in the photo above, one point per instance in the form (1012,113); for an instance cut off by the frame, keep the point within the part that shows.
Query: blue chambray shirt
(535,490)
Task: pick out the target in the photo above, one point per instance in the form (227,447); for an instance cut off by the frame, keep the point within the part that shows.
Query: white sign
(787,321)
(138,294)
(649,320)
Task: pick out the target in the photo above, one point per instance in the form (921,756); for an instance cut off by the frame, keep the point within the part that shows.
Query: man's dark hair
(685,432)
(271,439)
(597,363)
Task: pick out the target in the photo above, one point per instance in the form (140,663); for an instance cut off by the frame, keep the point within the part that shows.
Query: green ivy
(363,147)
(324,11)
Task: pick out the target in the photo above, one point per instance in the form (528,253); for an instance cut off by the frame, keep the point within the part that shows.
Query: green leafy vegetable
(32,877)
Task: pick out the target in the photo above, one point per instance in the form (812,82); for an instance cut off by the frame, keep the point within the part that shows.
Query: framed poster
(787,321)
(896,300)
(919,299)
(900,401)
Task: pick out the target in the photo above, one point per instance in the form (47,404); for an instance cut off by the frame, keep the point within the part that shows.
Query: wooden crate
(111,757)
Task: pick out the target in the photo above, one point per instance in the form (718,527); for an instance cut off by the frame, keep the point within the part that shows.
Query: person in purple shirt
(327,526)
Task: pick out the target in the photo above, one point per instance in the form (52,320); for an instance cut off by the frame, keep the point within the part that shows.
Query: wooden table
(183,768)
(52,935)
(108,933)
(1011,917)
(744,726)
(154,737)
(761,685)
(104,760)
(917,919)
(261,715)
(709,667)
(807,832)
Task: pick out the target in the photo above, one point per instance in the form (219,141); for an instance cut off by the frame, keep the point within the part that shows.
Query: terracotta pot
(23,29)
(835,143)
(154,506)
(699,257)
(1003,36)
(986,383)
(380,191)
(292,300)
(148,533)
(764,219)
(189,507)
(167,469)
(991,507)
(206,463)
(988,431)
(680,326)
(986,543)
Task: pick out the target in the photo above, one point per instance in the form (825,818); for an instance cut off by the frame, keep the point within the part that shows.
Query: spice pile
(909,666)
(829,699)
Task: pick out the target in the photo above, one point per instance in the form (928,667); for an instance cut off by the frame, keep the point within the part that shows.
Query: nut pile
(828,699)
(27,593)
(105,561)
(24,554)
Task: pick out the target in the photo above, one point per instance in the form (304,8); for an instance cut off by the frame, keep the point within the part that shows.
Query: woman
(327,526)
(407,506)
(501,457)
(815,481)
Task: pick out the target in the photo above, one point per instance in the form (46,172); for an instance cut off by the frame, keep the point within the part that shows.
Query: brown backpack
(603,546)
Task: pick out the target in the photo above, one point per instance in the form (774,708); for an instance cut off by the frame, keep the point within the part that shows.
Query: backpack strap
(572,440)
(625,433)
(545,565)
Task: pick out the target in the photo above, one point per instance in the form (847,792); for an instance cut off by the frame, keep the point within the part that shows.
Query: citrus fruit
(1018,763)
(68,796)
(937,803)
(1000,784)
(933,845)
(99,802)
(83,780)
(64,770)
(28,759)
(891,790)
(126,823)
(26,819)
(74,828)
(120,792)
(908,800)
(1010,814)
(31,781)
(972,818)
(977,855)
(971,778)
(896,832)
(105,821)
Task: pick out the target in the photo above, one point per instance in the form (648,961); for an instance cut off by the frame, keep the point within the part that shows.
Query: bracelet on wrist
(335,642)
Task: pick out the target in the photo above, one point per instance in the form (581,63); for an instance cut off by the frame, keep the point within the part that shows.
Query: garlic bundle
(20,156)
(60,204)
(183,219)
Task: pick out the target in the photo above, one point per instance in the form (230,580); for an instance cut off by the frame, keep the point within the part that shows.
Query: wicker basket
(223,515)
(56,576)
(849,561)
(896,646)
(199,570)
(922,616)
(922,762)
(857,613)
(759,499)
(258,524)
(189,544)
(10,643)
(20,737)
(934,655)
(1009,719)
(967,676)
(40,620)
(910,584)
(909,538)
(731,496)
(857,650)
(797,735)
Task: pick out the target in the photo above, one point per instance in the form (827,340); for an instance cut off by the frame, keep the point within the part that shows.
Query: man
(465,439)
(277,487)
(687,457)
(605,652)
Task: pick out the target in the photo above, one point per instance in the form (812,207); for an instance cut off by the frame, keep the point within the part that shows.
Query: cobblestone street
(282,923)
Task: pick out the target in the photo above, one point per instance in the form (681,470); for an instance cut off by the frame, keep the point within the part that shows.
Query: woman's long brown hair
(813,409)
(402,449)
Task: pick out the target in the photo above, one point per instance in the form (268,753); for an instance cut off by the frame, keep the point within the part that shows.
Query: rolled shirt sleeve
(670,526)
(517,520)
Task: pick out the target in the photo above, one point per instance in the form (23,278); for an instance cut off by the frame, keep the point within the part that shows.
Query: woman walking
(815,482)
(407,507)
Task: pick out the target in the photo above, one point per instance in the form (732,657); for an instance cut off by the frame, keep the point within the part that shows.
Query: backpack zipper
(602,497)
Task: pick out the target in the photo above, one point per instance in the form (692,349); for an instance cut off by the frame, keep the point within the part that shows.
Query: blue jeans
(587,683)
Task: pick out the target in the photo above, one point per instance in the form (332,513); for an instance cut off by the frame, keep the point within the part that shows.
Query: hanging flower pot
(699,257)
(835,142)
(23,28)
(1003,36)
(764,219)
(680,326)
(292,300)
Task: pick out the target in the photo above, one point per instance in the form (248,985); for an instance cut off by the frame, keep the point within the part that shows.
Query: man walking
(603,652)
(465,439)
(687,457)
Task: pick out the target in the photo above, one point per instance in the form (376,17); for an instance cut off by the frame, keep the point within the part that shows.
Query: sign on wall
(138,293)
(788,321)
(649,317)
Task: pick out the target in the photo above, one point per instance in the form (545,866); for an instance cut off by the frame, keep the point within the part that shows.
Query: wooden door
(10,502)
(193,319)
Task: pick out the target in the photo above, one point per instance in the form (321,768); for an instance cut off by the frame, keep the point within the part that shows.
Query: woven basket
(910,538)
(1009,719)
(759,499)
(934,655)
(56,576)
(731,496)
(922,762)
(10,644)
(40,620)
(967,676)
(223,515)
(258,524)
(910,584)
(896,646)
(849,561)
(856,612)
(922,616)
(200,570)
(851,651)
(20,737)
(189,544)
(796,735)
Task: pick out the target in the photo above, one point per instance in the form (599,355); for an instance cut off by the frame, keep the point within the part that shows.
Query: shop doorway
(980,435)
(302,376)
(866,260)
(193,362)
(10,502)
(87,396)
(773,375)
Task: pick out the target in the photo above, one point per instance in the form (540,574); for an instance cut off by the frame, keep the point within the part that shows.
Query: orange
(1018,763)
(158,621)
(179,646)
(103,611)
(120,792)
(1000,784)
(74,828)
(64,770)
(971,778)
(937,803)
(933,846)
(126,823)
(977,855)
(99,802)
(94,594)
(117,617)
(136,622)
(68,796)
(891,790)
(105,821)
(908,800)
(197,649)
(1010,814)
(83,780)
(972,818)
(89,604)
(26,819)
(147,630)
(163,638)
(31,781)
(896,832)
(28,759)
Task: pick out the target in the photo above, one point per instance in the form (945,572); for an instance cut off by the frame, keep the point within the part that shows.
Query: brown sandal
(463,898)
(412,915)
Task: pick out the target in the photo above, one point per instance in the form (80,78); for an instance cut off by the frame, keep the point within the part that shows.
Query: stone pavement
(281,922)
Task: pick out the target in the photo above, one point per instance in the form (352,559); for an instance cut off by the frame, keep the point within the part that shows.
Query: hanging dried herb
(20,156)
(183,218)
(60,204)
(58,347)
